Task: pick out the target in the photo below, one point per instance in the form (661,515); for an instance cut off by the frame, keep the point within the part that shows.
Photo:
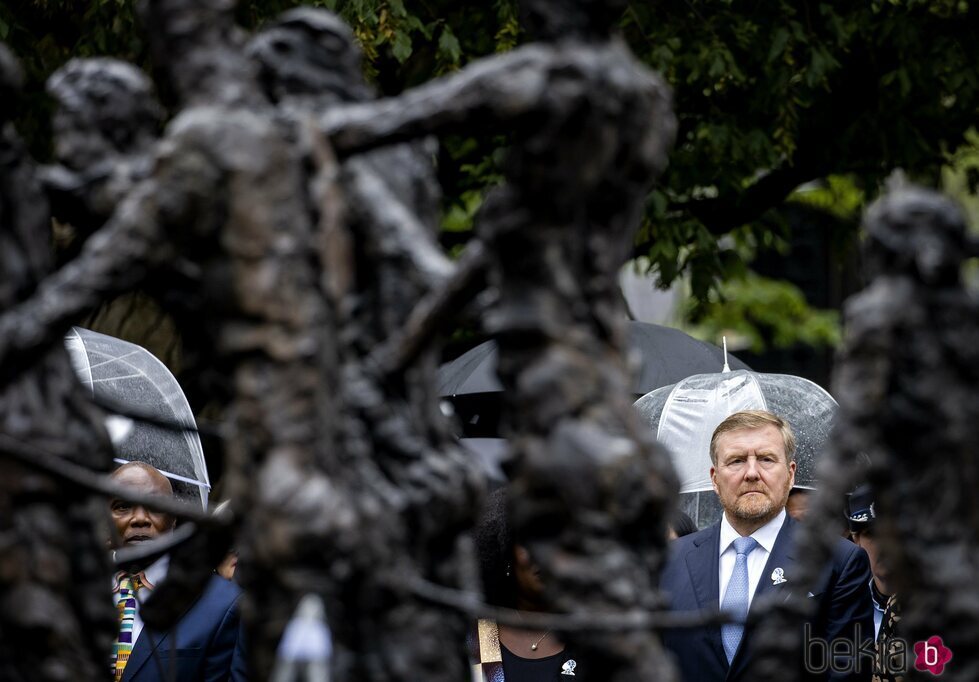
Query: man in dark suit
(744,559)
(200,648)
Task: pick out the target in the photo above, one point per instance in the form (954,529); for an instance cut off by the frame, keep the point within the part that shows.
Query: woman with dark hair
(511,579)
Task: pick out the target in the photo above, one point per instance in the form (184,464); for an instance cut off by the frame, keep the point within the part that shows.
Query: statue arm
(402,232)
(114,259)
(493,92)
(86,199)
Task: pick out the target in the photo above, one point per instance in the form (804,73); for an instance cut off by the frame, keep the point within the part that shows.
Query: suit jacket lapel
(142,652)
(702,564)
(782,556)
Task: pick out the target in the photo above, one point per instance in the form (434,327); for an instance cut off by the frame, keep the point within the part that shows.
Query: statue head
(917,232)
(106,107)
(309,54)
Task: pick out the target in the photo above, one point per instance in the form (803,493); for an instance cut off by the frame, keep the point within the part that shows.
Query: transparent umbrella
(683,417)
(129,378)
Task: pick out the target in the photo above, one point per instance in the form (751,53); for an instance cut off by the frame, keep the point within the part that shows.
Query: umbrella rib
(117,359)
(172,398)
(126,376)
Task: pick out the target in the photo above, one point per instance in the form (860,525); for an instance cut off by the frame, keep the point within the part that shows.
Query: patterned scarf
(887,642)
(484,650)
(126,605)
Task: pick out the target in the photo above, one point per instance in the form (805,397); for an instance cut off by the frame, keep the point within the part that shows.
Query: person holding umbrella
(747,558)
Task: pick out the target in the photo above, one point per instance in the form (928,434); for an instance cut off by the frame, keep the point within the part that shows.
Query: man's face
(866,540)
(135,523)
(752,477)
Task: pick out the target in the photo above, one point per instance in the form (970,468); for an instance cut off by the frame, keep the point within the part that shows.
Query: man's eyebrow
(741,452)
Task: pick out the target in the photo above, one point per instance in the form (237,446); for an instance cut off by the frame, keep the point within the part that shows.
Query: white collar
(156,572)
(765,536)
(152,575)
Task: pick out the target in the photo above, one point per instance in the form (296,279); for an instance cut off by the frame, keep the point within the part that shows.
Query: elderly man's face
(752,476)
(135,523)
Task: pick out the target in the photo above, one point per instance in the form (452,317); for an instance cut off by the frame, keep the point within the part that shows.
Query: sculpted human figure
(226,193)
(589,129)
(229,193)
(231,199)
(905,379)
(57,620)
(105,126)
(380,257)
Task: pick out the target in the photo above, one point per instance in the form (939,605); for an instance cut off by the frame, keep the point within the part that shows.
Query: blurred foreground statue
(590,129)
(298,216)
(56,616)
(908,425)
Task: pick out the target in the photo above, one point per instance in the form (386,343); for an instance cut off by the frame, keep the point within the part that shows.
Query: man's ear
(713,478)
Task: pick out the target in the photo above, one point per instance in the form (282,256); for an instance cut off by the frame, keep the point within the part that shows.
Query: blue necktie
(736,598)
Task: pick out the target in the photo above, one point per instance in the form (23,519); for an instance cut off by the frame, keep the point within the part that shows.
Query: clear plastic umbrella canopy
(129,378)
(683,417)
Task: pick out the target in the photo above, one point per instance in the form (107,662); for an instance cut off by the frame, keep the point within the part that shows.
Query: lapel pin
(778,576)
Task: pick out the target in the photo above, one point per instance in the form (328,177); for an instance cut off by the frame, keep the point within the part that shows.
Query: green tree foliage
(755,312)
(773,95)
(770,96)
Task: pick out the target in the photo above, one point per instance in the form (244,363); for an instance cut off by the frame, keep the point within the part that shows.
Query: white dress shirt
(879,608)
(153,575)
(764,536)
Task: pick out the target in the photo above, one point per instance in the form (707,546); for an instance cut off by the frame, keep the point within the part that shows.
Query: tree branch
(720,215)
(111,261)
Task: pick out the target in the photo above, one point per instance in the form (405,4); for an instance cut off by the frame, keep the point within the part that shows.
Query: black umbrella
(490,453)
(666,356)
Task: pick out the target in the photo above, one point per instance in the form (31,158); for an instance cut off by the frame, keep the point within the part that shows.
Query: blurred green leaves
(758,313)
